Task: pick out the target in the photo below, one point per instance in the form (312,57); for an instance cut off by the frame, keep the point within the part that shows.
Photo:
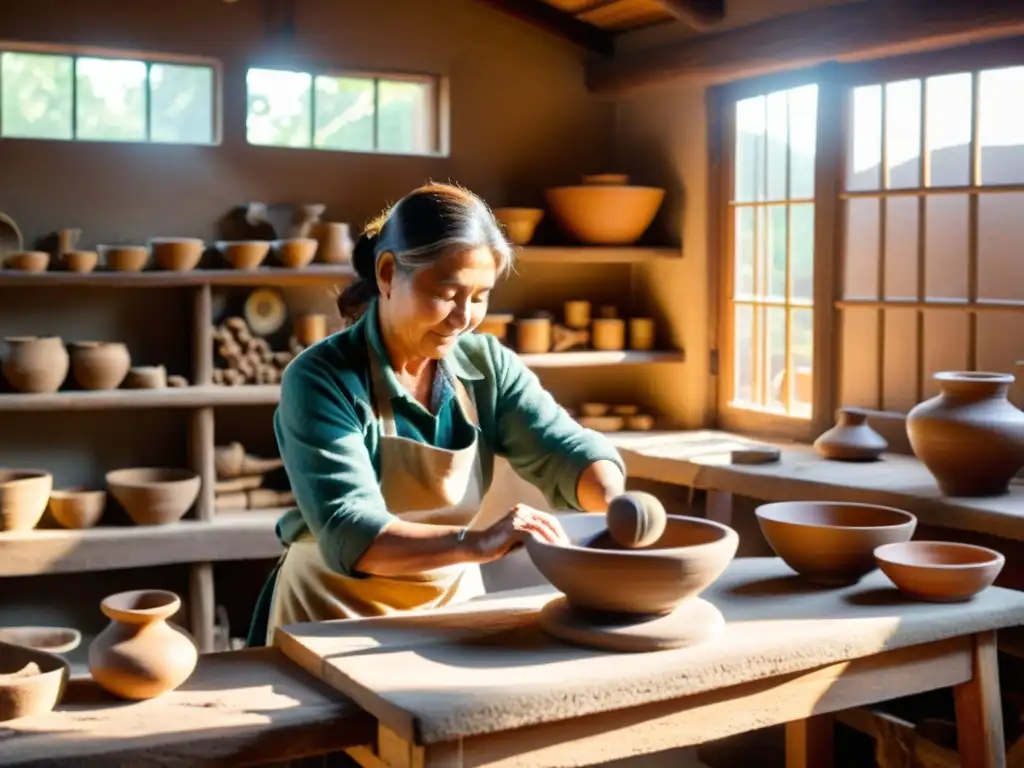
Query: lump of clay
(635,519)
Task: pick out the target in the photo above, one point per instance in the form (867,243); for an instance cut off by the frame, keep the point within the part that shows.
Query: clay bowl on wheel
(939,571)
(689,556)
(31,681)
(832,543)
(154,495)
(49,639)
(244,254)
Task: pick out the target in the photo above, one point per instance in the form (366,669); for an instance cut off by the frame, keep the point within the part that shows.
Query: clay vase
(335,242)
(851,439)
(36,365)
(970,437)
(99,364)
(139,655)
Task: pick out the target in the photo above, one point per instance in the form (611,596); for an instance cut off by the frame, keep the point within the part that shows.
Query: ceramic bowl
(244,254)
(124,258)
(49,639)
(832,543)
(520,223)
(689,556)
(79,261)
(31,681)
(24,494)
(177,254)
(29,261)
(295,252)
(604,214)
(77,507)
(154,495)
(939,571)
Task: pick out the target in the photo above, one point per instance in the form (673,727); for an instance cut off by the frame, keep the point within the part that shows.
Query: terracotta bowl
(23,694)
(605,214)
(296,252)
(24,494)
(124,258)
(940,571)
(77,507)
(520,223)
(690,555)
(79,261)
(154,495)
(832,543)
(99,365)
(177,254)
(244,254)
(49,639)
(28,261)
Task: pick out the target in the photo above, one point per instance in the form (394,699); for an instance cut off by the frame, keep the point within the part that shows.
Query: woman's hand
(495,542)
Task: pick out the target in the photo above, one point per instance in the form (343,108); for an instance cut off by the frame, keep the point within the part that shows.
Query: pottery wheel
(693,622)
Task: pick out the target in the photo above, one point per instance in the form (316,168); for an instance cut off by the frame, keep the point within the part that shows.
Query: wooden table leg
(719,507)
(979,713)
(809,743)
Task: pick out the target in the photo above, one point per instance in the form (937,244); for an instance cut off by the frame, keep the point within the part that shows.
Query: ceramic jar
(36,365)
(851,439)
(609,334)
(99,364)
(335,242)
(140,655)
(970,437)
(533,335)
(309,329)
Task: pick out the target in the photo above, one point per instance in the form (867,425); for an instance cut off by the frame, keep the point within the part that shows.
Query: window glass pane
(181,104)
(802,354)
(803,140)
(36,96)
(801,243)
(777,144)
(750,149)
(949,130)
(403,124)
(774,240)
(1001,126)
(864,153)
(743,353)
(344,113)
(744,252)
(903,133)
(279,108)
(110,100)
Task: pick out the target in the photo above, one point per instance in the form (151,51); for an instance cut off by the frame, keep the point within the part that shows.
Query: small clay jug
(970,437)
(140,655)
(100,364)
(335,242)
(35,364)
(851,439)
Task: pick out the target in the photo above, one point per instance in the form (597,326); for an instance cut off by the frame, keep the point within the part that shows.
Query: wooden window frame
(148,58)
(438,120)
(836,82)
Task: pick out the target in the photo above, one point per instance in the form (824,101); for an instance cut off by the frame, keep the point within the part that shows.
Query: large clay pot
(37,365)
(139,655)
(99,364)
(970,437)
(605,209)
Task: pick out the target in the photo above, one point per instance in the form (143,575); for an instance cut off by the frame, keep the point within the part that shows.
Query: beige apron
(420,483)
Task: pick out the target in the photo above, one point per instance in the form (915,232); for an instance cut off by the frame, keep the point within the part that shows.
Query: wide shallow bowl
(296,252)
(177,254)
(124,258)
(604,214)
(832,542)
(690,555)
(49,639)
(77,507)
(939,571)
(29,261)
(244,254)
(520,223)
(154,495)
(24,494)
(79,261)
(31,681)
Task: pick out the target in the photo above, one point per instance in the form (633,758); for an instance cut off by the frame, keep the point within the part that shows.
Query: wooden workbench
(240,708)
(480,684)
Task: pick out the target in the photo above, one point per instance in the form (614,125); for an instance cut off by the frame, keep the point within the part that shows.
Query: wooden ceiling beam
(855,31)
(701,15)
(556,22)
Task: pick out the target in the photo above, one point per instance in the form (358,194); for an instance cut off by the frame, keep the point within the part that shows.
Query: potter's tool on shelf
(640,598)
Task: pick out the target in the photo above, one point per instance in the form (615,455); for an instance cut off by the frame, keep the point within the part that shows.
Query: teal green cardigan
(328,437)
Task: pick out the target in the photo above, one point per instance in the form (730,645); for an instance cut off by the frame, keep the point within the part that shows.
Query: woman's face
(430,309)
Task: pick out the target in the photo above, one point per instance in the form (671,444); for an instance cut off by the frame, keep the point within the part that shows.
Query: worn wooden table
(479,684)
(248,707)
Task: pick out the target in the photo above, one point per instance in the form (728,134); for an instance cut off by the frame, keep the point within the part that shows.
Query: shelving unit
(207,537)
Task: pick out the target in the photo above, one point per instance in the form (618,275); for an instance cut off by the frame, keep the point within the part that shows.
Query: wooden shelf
(248,535)
(594,255)
(315,274)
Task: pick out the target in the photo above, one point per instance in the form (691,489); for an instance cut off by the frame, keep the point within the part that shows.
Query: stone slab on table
(700,459)
(485,667)
(241,707)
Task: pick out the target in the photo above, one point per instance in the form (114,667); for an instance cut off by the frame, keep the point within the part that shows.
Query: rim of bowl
(184,476)
(119,247)
(765,510)
(285,240)
(650,553)
(176,241)
(994,556)
(26,475)
(170,598)
(221,244)
(71,637)
(606,187)
(75,491)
